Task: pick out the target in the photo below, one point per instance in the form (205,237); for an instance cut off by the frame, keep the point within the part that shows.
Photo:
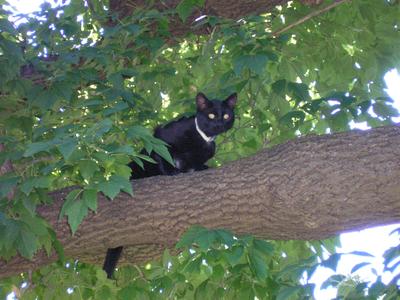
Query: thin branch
(307,17)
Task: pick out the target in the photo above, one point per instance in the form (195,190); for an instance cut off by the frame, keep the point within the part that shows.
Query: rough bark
(309,188)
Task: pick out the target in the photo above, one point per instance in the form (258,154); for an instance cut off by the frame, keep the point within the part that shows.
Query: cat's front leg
(166,168)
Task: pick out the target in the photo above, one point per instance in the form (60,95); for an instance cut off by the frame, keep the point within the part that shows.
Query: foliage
(80,88)
(210,264)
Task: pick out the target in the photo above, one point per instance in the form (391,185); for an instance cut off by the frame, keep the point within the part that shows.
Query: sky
(374,240)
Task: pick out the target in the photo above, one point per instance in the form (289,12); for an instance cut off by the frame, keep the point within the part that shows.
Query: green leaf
(36,224)
(193,266)
(9,233)
(139,132)
(133,29)
(251,143)
(205,239)
(299,91)
(57,245)
(340,121)
(63,89)
(166,259)
(104,292)
(47,245)
(293,119)
(138,162)
(385,110)
(27,243)
(99,129)
(7,26)
(202,291)
(125,149)
(120,106)
(390,255)
(76,212)
(71,197)
(36,182)
(67,147)
(255,63)
(162,150)
(45,99)
(333,281)
(225,236)
(87,168)
(22,122)
(114,185)
(264,247)
(34,148)
(279,87)
(218,272)
(287,292)
(143,157)
(234,255)
(258,264)
(185,8)
(331,244)
(245,291)
(332,261)
(110,189)
(188,238)
(361,253)
(122,170)
(7,183)
(90,198)
(359,266)
(128,292)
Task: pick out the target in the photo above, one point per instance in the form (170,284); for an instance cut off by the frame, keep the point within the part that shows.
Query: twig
(140,272)
(307,17)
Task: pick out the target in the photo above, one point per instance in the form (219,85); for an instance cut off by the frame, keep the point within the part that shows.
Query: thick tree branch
(309,188)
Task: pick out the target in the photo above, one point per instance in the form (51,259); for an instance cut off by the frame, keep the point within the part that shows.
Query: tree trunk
(309,188)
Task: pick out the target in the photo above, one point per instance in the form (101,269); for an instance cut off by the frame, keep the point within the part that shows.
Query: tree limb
(310,188)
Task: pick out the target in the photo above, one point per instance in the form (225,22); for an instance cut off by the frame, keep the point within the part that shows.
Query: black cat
(191,141)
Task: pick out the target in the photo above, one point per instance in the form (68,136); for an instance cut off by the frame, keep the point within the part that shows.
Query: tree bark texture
(310,188)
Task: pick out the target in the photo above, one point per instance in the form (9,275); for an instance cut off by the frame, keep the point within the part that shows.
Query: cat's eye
(226,116)
(211,116)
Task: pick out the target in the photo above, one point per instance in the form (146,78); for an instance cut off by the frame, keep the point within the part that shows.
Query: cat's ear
(201,101)
(231,100)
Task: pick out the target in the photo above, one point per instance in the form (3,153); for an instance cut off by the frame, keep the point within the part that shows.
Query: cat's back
(175,129)
(182,122)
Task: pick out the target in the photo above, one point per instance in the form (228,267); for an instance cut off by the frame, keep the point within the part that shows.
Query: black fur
(110,262)
(189,150)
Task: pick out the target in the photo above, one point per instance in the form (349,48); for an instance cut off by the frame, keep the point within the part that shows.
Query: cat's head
(215,116)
